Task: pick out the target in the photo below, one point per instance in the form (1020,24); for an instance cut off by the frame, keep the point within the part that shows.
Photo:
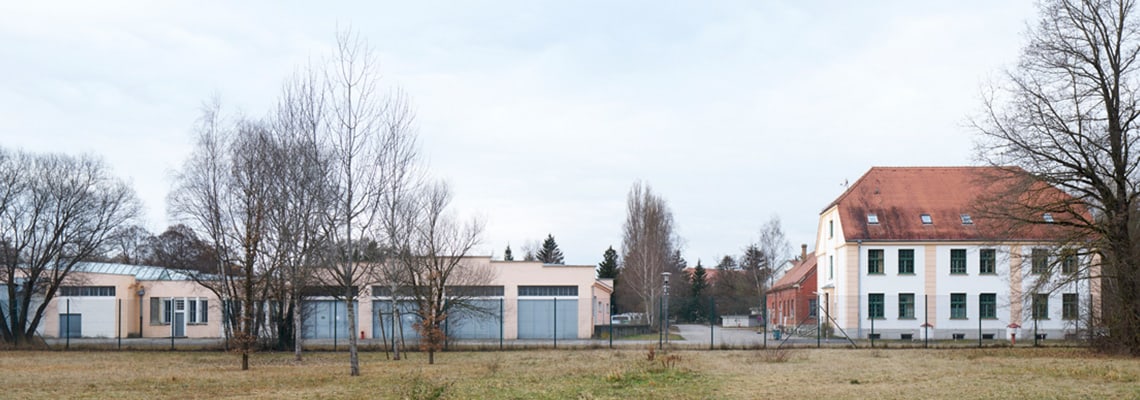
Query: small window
(875,305)
(906,305)
(906,262)
(1069,306)
(957,306)
(906,336)
(875,262)
(966,220)
(926,219)
(1048,217)
(987,305)
(958,261)
(959,336)
(987,261)
(1040,306)
(987,336)
(1040,261)
(872,219)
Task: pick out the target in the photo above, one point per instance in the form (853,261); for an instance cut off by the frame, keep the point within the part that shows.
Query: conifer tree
(507,256)
(549,253)
(608,268)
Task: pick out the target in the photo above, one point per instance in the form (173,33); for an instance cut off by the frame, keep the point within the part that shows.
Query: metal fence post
(926,320)
(119,332)
(556,322)
(67,327)
(501,322)
(712,318)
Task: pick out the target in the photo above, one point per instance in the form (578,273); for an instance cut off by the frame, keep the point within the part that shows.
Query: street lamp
(141,292)
(665,318)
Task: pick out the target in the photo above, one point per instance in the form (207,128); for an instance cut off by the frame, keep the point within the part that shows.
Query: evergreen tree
(549,253)
(507,256)
(608,268)
(698,285)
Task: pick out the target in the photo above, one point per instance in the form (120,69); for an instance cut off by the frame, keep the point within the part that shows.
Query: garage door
(477,319)
(540,318)
(70,325)
(408,320)
(325,319)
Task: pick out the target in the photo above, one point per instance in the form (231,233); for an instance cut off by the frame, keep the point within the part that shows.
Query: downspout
(859,286)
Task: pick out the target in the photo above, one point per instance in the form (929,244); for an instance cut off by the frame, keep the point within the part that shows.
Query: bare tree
(1067,115)
(131,245)
(765,258)
(436,266)
(371,143)
(55,211)
(303,192)
(648,242)
(225,189)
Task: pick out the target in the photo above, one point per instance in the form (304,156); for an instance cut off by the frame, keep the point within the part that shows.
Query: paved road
(742,337)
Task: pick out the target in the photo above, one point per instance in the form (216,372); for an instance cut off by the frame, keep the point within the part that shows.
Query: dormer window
(872,219)
(926,219)
(966,220)
(1048,217)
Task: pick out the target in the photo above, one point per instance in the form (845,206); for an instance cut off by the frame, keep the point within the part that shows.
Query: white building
(902,249)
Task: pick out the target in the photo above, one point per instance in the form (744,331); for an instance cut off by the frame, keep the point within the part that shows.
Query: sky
(541,115)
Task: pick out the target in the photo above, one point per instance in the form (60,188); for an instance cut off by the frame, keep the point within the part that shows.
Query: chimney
(803,252)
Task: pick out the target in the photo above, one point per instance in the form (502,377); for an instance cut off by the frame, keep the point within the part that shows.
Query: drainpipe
(859,286)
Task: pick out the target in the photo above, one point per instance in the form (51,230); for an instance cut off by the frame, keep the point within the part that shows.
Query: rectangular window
(813,307)
(155,311)
(1040,306)
(875,304)
(906,305)
(987,261)
(987,305)
(548,291)
(87,291)
(875,262)
(830,229)
(906,262)
(193,317)
(957,261)
(830,267)
(1069,262)
(872,219)
(1040,261)
(167,311)
(1069,308)
(957,306)
(926,220)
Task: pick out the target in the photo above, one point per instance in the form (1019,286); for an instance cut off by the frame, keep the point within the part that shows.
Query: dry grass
(581,374)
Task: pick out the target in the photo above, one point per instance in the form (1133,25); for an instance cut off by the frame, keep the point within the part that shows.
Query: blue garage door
(477,319)
(324,319)
(408,320)
(537,318)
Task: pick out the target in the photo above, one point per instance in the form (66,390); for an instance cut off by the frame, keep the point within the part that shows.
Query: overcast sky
(541,115)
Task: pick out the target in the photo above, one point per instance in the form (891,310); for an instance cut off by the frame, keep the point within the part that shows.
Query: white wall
(99,314)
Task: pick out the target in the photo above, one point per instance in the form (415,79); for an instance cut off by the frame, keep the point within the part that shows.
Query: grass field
(578,374)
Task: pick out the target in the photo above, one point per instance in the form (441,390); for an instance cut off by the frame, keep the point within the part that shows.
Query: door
(541,318)
(70,325)
(178,323)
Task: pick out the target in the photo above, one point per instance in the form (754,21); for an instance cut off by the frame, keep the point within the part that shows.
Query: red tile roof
(800,270)
(899,196)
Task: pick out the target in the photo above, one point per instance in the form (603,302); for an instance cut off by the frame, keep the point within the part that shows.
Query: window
(167,311)
(198,311)
(830,267)
(1040,306)
(966,220)
(813,308)
(548,290)
(875,261)
(987,305)
(906,262)
(958,261)
(957,306)
(830,229)
(1047,217)
(926,220)
(1040,261)
(87,291)
(906,305)
(1069,308)
(1069,262)
(987,261)
(872,219)
(875,304)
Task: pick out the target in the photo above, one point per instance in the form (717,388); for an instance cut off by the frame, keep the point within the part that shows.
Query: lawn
(577,374)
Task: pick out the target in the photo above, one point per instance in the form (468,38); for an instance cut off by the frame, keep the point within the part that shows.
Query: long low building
(522,300)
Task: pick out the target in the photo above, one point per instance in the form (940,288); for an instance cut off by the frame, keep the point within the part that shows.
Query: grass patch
(581,374)
(650,336)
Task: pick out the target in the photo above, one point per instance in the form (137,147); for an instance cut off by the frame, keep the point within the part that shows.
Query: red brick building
(792,300)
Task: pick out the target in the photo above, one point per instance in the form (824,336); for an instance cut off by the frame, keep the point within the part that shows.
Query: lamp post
(665,317)
(141,292)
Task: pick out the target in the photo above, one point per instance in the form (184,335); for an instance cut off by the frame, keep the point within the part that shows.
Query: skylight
(872,219)
(1048,217)
(926,219)
(966,220)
